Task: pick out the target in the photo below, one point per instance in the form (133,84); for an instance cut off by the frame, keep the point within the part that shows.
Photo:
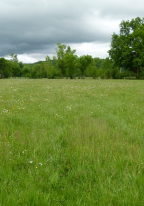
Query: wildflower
(40,164)
(31,162)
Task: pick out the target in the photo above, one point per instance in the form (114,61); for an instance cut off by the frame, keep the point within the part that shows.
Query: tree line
(126,59)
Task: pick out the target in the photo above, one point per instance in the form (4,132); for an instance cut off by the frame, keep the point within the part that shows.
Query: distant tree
(47,59)
(16,70)
(52,71)
(106,68)
(5,68)
(16,67)
(65,60)
(36,73)
(21,66)
(43,71)
(14,57)
(107,63)
(70,60)
(92,71)
(127,48)
(97,62)
(26,71)
(60,58)
(84,61)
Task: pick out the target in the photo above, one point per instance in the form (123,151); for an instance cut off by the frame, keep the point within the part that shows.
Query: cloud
(35,27)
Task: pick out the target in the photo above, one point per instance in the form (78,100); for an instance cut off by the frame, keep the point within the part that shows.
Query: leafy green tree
(106,68)
(52,71)
(21,66)
(16,70)
(60,59)
(92,71)
(47,59)
(5,68)
(127,48)
(97,62)
(107,64)
(66,60)
(16,67)
(70,61)
(26,71)
(36,73)
(43,71)
(84,61)
(14,57)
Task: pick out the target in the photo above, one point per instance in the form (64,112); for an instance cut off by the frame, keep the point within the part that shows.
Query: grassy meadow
(71,142)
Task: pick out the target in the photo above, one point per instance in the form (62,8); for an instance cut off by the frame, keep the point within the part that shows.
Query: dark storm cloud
(36,26)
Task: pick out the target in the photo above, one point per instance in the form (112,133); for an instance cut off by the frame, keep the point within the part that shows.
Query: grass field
(71,142)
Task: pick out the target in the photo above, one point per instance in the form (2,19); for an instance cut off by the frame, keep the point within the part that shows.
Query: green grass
(71,142)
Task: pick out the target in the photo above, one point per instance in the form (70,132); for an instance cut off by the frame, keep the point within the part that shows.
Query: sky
(32,28)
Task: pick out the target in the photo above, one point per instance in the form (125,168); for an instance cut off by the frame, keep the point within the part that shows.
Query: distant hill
(37,62)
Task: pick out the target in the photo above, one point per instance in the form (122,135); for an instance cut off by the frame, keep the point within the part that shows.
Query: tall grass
(71,142)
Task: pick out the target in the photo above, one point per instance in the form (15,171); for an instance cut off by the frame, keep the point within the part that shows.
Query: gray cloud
(35,27)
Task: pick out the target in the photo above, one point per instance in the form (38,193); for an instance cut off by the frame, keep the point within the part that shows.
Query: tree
(84,61)
(16,67)
(107,63)
(52,71)
(97,62)
(26,71)
(5,68)
(70,62)
(65,60)
(14,57)
(35,73)
(16,70)
(43,72)
(21,66)
(60,61)
(127,48)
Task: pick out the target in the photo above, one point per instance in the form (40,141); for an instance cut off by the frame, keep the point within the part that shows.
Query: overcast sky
(32,28)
